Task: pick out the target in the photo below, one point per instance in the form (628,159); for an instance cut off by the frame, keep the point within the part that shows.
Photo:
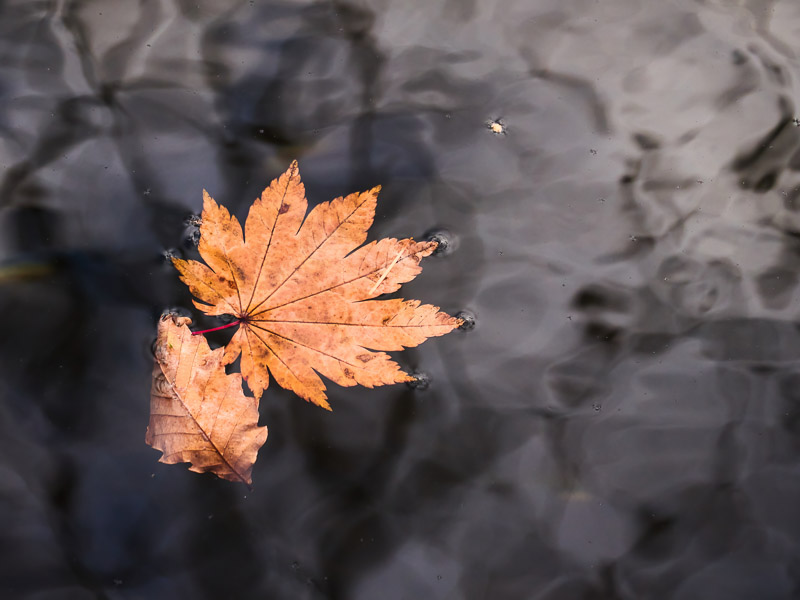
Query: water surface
(621,423)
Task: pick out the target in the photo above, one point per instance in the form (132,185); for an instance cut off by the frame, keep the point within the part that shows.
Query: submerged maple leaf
(301,289)
(198,414)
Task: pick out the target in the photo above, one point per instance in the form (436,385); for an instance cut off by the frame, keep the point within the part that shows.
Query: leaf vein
(317,247)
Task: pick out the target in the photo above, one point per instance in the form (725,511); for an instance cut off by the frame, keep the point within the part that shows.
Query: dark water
(624,420)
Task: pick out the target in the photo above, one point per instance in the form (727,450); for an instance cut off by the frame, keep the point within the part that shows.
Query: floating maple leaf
(198,414)
(301,290)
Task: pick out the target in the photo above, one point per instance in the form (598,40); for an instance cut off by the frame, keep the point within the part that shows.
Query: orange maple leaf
(198,414)
(301,290)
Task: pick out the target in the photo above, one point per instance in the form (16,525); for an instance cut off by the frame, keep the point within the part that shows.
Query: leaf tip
(208,201)
(427,248)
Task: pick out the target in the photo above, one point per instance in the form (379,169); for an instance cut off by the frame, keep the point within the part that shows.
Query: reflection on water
(623,419)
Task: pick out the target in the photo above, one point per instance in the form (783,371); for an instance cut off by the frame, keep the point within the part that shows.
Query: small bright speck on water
(496,126)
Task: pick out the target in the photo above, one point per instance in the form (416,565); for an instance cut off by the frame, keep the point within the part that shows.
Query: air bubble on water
(447,241)
(169,254)
(597,407)
(467,320)
(420,382)
(177,311)
(191,235)
(192,239)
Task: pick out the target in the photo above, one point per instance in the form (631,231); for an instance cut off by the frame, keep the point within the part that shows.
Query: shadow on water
(618,186)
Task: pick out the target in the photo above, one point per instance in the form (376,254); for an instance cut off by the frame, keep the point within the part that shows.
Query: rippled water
(620,185)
